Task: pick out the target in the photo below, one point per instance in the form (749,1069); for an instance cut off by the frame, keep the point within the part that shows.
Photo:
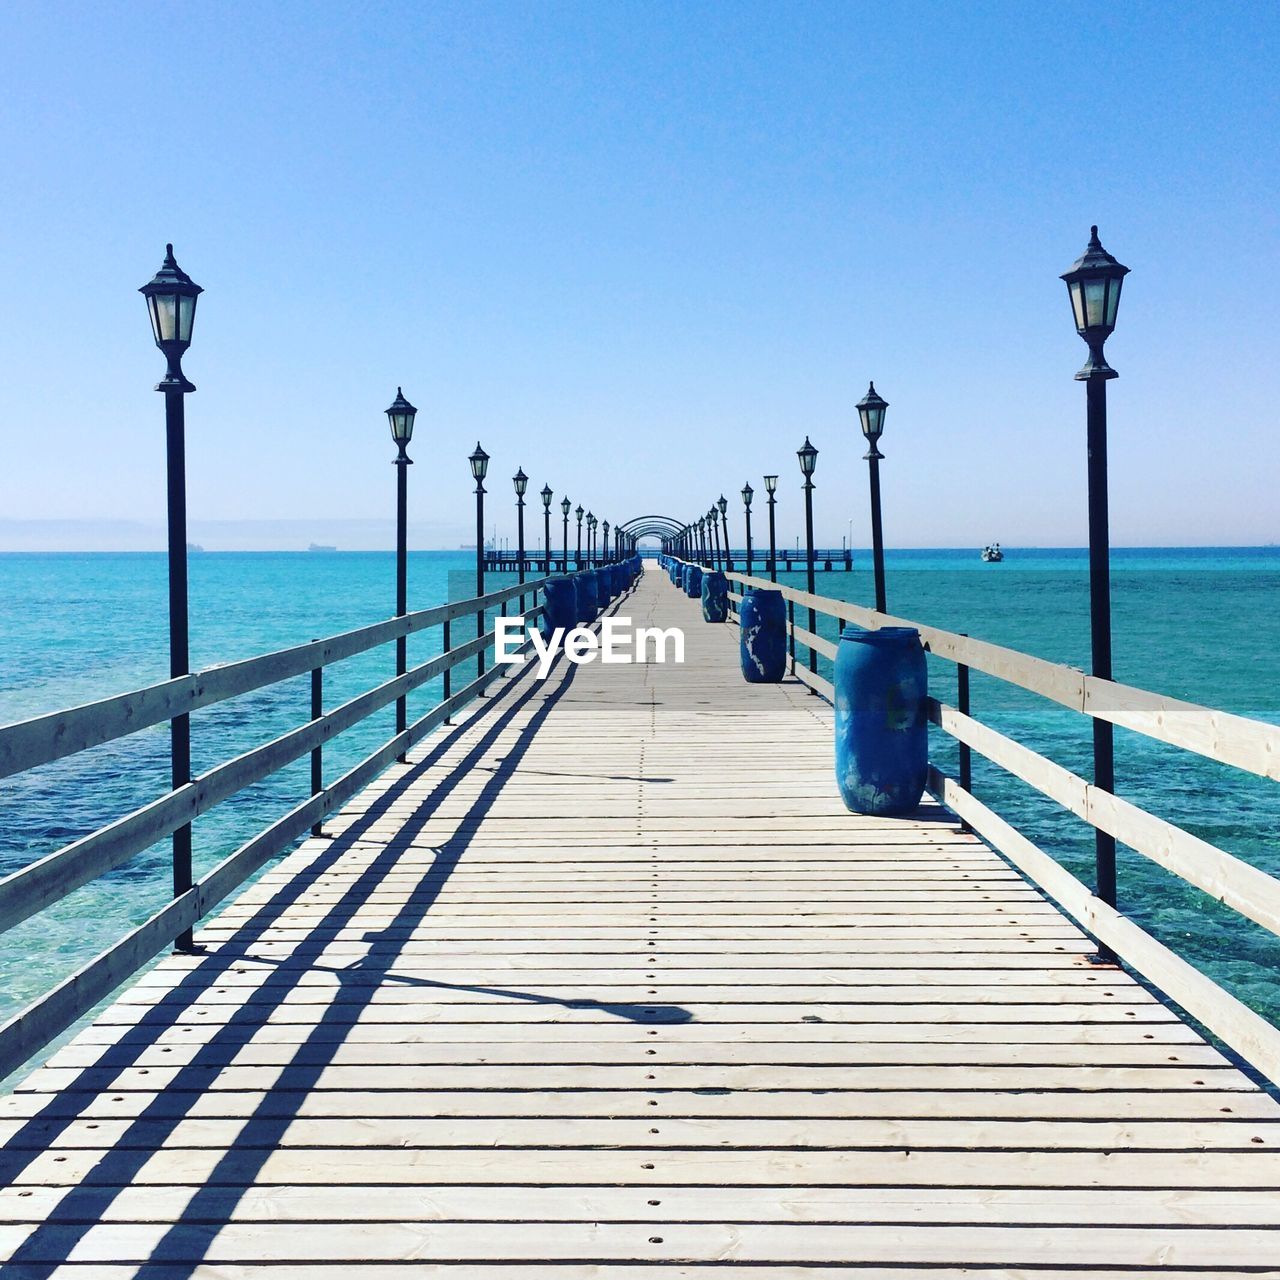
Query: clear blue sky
(641,249)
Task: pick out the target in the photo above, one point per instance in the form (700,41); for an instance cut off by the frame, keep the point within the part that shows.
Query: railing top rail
(42,739)
(1251,745)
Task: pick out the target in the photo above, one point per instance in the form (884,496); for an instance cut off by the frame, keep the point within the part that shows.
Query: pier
(603,980)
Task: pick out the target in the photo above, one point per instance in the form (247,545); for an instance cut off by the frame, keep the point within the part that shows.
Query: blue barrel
(604,586)
(762,644)
(882,733)
(715,597)
(693,586)
(559,605)
(588,597)
(621,578)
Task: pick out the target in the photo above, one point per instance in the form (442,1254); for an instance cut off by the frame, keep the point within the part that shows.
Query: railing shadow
(83,1205)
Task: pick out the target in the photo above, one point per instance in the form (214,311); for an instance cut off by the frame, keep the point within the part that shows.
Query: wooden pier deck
(605,982)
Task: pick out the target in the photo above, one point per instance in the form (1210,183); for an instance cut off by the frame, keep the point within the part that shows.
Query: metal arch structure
(664,528)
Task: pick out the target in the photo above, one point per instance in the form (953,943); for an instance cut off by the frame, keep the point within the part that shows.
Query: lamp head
(871,417)
(171,303)
(808,456)
(401,415)
(1093,284)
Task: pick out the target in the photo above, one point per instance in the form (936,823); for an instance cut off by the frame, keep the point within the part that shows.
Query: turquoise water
(1197,624)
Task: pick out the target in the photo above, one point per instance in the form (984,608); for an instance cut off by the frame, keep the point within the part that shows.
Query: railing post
(448,673)
(317,752)
(791,632)
(966,752)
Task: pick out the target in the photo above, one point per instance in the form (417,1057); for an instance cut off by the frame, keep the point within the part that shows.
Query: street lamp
(578,558)
(604,548)
(747,494)
(771,488)
(871,414)
(521,482)
(591,526)
(171,303)
(564,508)
(724,520)
(400,416)
(808,456)
(479,469)
(1093,284)
(713,519)
(547,495)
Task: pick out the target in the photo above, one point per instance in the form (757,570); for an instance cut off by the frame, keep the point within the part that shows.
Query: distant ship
(991,554)
(315,546)
(194,546)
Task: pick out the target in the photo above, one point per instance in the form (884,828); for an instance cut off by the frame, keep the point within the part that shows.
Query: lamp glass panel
(1095,298)
(186,316)
(1113,301)
(164,316)
(1076,289)
(872,423)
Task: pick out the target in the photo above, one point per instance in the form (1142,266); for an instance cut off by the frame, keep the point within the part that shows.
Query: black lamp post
(723,504)
(577,563)
(401,415)
(604,544)
(1093,283)
(171,303)
(521,482)
(713,522)
(564,508)
(479,469)
(771,488)
(547,495)
(747,494)
(591,524)
(871,414)
(808,456)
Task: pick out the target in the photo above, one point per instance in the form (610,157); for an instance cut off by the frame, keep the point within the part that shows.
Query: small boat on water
(316,546)
(991,553)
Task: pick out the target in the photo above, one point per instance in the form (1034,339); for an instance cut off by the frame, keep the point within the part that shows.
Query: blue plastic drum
(882,732)
(762,644)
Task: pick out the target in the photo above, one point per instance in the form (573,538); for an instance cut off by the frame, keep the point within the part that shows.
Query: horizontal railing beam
(1250,745)
(35,1026)
(1248,1033)
(37,886)
(1232,881)
(43,739)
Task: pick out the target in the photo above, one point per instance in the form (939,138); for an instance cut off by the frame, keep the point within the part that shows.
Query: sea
(1201,624)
